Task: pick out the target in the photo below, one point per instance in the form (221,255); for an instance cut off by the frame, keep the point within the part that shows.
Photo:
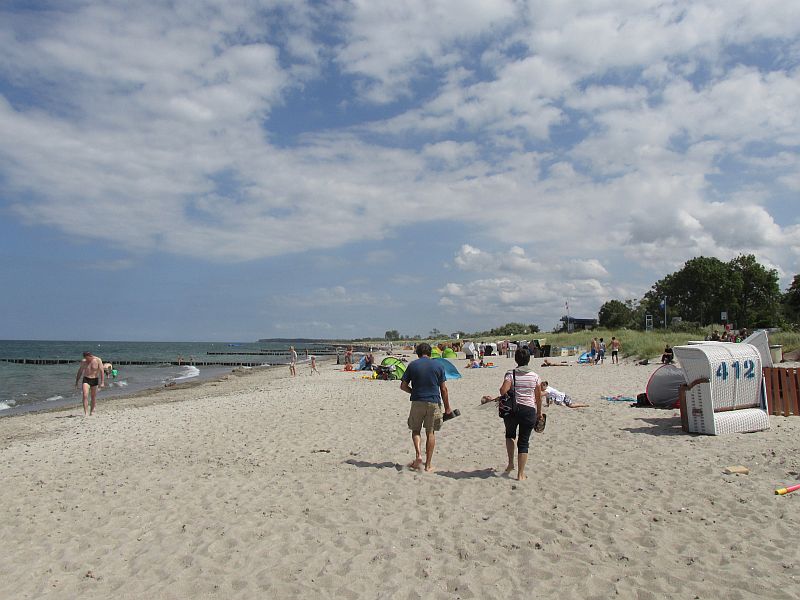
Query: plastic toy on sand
(787,490)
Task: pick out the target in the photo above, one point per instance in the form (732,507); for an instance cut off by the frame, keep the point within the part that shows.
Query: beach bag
(507,405)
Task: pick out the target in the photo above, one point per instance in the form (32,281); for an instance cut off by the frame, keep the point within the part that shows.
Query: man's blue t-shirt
(425,375)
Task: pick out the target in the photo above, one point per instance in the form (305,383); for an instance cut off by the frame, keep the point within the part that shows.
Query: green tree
(698,292)
(392,335)
(614,314)
(757,294)
(791,302)
(638,312)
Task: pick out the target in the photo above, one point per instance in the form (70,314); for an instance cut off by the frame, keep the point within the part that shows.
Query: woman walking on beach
(528,397)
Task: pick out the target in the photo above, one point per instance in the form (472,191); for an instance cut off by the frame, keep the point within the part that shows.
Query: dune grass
(641,344)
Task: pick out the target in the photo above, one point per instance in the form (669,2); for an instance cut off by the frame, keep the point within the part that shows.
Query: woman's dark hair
(522,356)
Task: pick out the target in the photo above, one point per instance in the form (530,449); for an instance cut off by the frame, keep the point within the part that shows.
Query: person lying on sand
(553,396)
(563,363)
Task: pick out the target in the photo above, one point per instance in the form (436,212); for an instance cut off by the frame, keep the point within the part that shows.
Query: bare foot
(508,469)
(521,477)
(429,468)
(416,464)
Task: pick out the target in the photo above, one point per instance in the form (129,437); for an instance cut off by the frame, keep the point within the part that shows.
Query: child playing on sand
(552,395)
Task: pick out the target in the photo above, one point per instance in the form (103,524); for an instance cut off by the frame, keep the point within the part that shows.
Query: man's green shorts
(425,414)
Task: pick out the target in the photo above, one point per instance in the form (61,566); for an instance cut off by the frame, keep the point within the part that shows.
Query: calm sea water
(35,387)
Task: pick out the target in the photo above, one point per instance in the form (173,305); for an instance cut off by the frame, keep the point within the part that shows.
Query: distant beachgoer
(111,372)
(369,360)
(615,346)
(348,356)
(425,380)
(91,369)
(548,363)
(528,395)
(292,361)
(601,351)
(314,365)
(668,356)
(558,398)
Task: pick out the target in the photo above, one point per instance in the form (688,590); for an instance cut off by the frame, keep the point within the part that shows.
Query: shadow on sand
(659,426)
(371,465)
(476,474)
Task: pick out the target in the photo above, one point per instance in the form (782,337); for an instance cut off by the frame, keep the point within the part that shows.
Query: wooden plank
(785,393)
(797,394)
(777,382)
(774,386)
(684,410)
(767,374)
(792,390)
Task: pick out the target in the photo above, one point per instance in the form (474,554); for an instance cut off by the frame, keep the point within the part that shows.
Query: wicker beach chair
(724,391)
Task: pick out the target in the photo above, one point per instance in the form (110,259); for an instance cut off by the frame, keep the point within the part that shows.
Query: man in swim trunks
(94,376)
(615,346)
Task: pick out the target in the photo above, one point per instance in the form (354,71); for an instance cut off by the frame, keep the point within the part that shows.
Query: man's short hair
(423,349)
(522,356)
(85,354)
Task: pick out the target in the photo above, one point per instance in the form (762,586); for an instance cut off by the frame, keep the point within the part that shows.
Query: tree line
(506,330)
(707,291)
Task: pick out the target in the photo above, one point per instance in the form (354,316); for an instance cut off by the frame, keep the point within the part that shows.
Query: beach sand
(266,486)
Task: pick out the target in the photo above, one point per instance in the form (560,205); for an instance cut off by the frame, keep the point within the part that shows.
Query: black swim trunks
(92,381)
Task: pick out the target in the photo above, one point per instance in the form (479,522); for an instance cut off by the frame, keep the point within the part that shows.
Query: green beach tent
(449,353)
(399,366)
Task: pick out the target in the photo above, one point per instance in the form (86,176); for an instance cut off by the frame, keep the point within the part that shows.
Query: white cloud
(523,288)
(337,295)
(389,42)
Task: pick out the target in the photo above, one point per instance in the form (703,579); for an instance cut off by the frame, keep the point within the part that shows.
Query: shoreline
(120,396)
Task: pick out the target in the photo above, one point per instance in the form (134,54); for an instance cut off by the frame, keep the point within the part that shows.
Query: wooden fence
(783,390)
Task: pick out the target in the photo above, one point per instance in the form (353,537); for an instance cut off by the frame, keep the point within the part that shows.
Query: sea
(32,387)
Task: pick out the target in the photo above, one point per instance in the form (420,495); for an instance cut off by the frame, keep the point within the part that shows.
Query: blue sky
(230,170)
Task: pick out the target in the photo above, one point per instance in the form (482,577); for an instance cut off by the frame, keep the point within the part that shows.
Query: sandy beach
(266,486)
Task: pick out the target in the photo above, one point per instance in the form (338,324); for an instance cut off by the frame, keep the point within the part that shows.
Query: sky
(229,170)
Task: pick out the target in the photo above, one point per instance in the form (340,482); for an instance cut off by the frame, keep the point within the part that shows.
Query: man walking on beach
(615,346)
(424,379)
(292,361)
(91,369)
